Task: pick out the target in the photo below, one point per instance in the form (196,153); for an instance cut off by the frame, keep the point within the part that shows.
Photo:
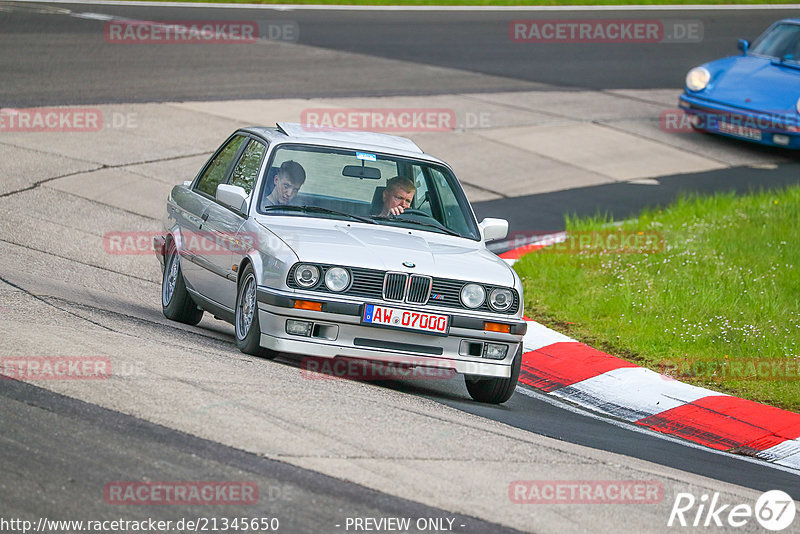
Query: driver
(397,196)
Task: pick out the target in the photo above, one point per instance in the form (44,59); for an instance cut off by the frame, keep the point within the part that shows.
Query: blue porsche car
(754,96)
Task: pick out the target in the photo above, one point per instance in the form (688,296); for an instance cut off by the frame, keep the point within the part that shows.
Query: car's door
(224,246)
(196,270)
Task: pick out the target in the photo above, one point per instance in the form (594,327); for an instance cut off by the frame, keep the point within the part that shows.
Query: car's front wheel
(176,303)
(248,329)
(495,390)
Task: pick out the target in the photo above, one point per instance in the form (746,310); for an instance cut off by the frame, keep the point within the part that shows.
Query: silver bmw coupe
(343,245)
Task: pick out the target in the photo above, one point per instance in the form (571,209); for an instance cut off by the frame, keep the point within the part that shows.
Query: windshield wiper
(437,226)
(319,209)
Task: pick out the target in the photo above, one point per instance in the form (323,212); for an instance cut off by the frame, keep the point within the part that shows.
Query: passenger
(397,196)
(288,180)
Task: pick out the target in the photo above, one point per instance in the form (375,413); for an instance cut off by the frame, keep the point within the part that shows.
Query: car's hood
(387,248)
(754,83)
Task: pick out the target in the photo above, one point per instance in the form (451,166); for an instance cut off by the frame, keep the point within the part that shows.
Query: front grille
(419,287)
(394,286)
(371,284)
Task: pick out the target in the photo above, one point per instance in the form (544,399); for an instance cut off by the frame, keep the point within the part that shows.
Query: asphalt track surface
(75,439)
(50,58)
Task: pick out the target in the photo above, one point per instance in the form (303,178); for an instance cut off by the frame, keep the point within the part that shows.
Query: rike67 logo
(774,510)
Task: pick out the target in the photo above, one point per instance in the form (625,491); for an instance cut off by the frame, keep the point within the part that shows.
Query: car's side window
(451,209)
(421,197)
(216,170)
(246,170)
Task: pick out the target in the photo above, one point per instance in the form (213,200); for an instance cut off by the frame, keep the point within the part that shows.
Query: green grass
(721,296)
(494,2)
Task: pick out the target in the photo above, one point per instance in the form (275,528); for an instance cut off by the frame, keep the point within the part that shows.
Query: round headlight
(306,275)
(337,279)
(473,295)
(501,299)
(698,78)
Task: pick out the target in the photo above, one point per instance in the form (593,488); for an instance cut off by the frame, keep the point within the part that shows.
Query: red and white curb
(570,370)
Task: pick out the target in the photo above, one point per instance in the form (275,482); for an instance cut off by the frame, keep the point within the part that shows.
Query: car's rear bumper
(772,129)
(338,332)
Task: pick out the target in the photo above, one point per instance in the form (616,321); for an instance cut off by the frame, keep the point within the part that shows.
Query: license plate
(740,131)
(429,323)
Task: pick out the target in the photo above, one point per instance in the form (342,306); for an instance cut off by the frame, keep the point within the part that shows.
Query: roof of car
(298,132)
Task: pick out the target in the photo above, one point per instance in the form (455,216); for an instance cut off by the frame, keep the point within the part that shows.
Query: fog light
(299,328)
(495,351)
(780,139)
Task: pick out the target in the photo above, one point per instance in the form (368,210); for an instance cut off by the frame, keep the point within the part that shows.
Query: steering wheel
(412,211)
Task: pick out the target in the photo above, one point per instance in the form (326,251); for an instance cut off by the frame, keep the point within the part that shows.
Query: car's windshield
(311,181)
(781,41)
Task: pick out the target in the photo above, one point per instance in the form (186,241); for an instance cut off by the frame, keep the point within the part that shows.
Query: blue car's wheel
(176,303)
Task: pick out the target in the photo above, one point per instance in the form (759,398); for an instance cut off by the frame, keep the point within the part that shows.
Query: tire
(176,303)
(495,390)
(246,324)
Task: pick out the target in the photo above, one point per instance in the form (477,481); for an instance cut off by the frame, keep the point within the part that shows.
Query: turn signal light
(308,305)
(497,327)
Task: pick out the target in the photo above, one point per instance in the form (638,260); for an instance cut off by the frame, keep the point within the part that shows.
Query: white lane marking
(632,393)
(790,461)
(786,453)
(322,7)
(666,437)
(539,336)
(92,16)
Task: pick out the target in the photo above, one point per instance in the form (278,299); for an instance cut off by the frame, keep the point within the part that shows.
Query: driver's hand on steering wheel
(397,210)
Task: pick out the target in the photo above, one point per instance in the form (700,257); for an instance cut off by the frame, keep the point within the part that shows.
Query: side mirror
(743,45)
(493,228)
(233,196)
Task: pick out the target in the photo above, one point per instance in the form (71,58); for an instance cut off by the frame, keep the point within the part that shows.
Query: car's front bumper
(339,332)
(773,129)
